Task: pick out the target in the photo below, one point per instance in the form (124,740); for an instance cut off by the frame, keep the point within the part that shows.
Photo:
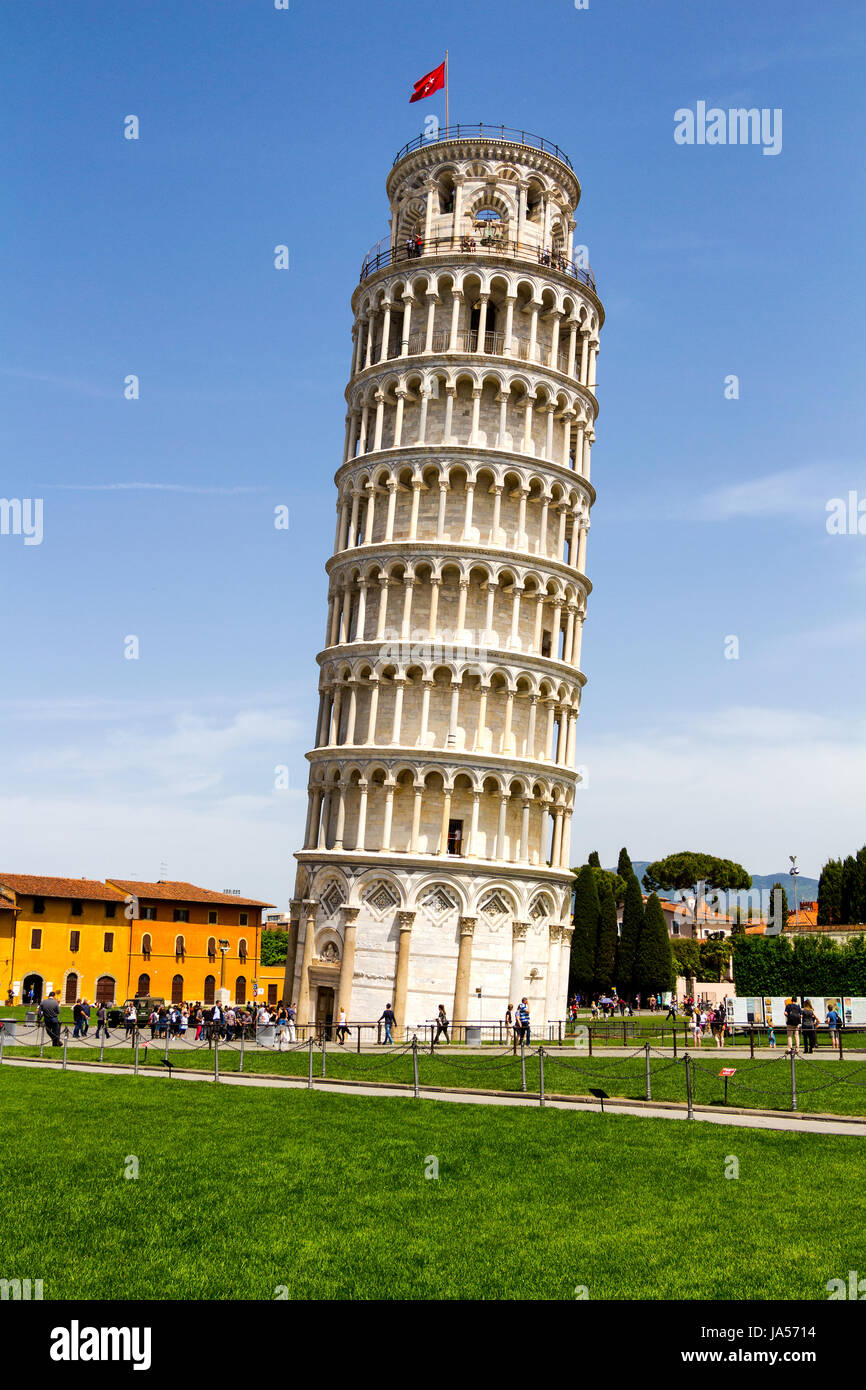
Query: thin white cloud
(800,493)
(149,487)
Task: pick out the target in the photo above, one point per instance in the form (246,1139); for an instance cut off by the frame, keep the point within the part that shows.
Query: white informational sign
(49,985)
(16,986)
(748,1010)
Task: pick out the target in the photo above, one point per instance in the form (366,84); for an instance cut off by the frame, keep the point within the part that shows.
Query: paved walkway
(853,1126)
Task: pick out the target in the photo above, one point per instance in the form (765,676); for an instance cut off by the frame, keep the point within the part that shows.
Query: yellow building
(110,941)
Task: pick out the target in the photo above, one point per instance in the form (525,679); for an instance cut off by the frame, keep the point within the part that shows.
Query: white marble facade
(442,780)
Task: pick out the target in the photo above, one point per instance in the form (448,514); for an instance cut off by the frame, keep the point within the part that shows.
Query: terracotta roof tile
(88,889)
(179,892)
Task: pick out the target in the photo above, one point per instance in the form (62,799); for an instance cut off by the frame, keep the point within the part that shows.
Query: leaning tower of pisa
(435,865)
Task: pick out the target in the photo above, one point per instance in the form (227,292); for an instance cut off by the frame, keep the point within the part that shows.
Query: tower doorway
(324,1012)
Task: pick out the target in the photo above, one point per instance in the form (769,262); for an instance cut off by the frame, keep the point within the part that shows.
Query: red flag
(426,86)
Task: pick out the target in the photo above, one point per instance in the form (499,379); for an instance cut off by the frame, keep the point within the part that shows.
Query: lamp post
(794,871)
(224,946)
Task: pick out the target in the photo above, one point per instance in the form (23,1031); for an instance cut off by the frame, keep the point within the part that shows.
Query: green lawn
(241,1191)
(830,1087)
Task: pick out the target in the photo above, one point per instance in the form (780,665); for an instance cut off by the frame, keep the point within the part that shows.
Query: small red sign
(727,1071)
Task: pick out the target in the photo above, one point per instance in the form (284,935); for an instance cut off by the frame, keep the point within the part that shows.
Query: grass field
(825,1087)
(240,1192)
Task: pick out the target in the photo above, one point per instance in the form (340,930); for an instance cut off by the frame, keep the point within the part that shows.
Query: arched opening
(31,989)
(241,989)
(142,989)
(106,986)
(145,946)
(209,989)
(177,989)
(70,993)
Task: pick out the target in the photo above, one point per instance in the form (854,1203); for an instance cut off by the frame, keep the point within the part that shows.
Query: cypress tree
(653,964)
(605,947)
(830,893)
(785,909)
(849,890)
(859,902)
(594,860)
(632,923)
(624,865)
(586,913)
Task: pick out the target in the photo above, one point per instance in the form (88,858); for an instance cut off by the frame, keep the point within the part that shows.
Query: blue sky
(155,257)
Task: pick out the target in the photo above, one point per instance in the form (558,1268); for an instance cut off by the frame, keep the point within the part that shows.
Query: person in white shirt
(342,1027)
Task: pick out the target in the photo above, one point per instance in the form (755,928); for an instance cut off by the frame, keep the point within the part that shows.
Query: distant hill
(807,887)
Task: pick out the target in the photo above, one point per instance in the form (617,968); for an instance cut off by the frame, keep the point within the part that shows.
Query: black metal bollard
(690,1114)
(649,1089)
(522,1065)
(415,1063)
(541,1076)
(310,1081)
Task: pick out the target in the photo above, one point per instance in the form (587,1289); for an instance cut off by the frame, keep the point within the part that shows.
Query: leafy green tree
(594,860)
(583,942)
(653,962)
(686,870)
(830,894)
(686,957)
(714,957)
(605,947)
(275,947)
(605,878)
(632,925)
(624,865)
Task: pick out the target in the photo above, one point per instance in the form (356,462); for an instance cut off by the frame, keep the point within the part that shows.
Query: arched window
(177,989)
(242,949)
(145,945)
(143,987)
(209,989)
(71,992)
(241,989)
(211,948)
(179,947)
(106,987)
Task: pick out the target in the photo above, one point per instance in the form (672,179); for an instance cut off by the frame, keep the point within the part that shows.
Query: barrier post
(415,1063)
(675,1039)
(135,1040)
(793,1080)
(101,1046)
(324,1040)
(358,1043)
(1,1044)
(649,1089)
(559,1026)
(840,1040)
(522,1064)
(589,1035)
(241,1058)
(41,1038)
(624,1035)
(541,1076)
(167,1036)
(65,1045)
(216,1057)
(751,1042)
(310,1082)
(690,1114)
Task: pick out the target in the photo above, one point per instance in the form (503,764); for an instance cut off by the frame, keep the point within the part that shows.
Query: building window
(241,989)
(76,907)
(38,906)
(242,949)
(108,943)
(105,989)
(145,945)
(177,989)
(148,914)
(143,989)
(74,940)
(272,994)
(209,989)
(455,837)
(212,919)
(71,992)
(111,909)
(181,914)
(179,947)
(244,919)
(36,939)
(211,948)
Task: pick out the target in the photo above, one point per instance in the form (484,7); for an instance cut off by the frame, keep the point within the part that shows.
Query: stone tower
(435,866)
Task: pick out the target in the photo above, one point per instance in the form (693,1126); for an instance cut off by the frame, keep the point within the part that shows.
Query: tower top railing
(385,254)
(490,132)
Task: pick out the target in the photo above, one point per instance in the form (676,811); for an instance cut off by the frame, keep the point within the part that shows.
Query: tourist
(49,1014)
(696,1028)
(441,1026)
(216,1021)
(389,1018)
(342,1027)
(231,1020)
(834,1022)
(524,1020)
(771,1037)
(717,1026)
(793,1019)
(810,1027)
(199,1022)
(511,1027)
(85,1017)
(130,1021)
(291,1015)
(102,1020)
(183,1023)
(672,1010)
(77,1018)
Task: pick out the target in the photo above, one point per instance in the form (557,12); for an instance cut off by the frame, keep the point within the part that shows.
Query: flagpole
(447,113)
